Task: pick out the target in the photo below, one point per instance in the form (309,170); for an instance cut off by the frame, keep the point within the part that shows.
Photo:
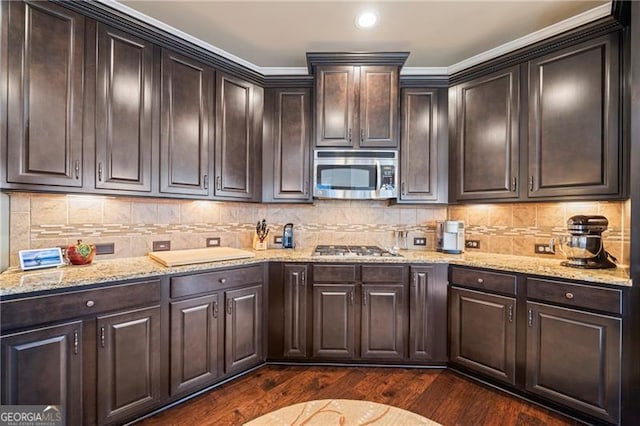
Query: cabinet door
(295,311)
(573,121)
(128,363)
(236,145)
(419,145)
(573,358)
(335,106)
(428,313)
(184,140)
(483,333)
(334,321)
(44,367)
(383,318)
(243,328)
(123,111)
(378,113)
(287,167)
(45,94)
(196,343)
(486,137)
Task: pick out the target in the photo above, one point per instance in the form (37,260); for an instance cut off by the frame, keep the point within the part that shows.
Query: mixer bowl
(580,246)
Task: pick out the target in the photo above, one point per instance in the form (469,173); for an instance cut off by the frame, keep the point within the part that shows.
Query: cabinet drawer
(483,280)
(578,295)
(383,274)
(64,306)
(335,273)
(211,281)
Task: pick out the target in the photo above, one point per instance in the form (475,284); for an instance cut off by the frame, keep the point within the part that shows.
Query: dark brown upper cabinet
(485,137)
(420,149)
(573,121)
(186,135)
(238,142)
(124,95)
(357,106)
(45,59)
(287,145)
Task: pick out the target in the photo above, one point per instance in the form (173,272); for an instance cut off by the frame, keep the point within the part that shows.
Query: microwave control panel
(388,178)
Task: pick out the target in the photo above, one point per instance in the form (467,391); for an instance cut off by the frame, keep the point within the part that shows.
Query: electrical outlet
(543,249)
(420,241)
(161,245)
(213,242)
(105,248)
(277,239)
(474,244)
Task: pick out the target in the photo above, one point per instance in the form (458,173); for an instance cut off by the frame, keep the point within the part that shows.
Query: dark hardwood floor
(441,395)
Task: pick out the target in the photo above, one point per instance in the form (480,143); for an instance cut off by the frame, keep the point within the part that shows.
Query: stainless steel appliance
(353,251)
(355,174)
(583,247)
(450,236)
(287,236)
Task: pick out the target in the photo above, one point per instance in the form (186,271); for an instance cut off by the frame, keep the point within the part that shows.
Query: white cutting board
(204,255)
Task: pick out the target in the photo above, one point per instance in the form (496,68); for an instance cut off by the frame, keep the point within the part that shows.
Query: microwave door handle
(378,177)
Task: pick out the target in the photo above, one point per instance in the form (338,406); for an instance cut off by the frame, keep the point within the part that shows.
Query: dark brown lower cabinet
(196,343)
(428,313)
(243,328)
(128,363)
(382,332)
(295,311)
(334,318)
(43,366)
(483,333)
(573,358)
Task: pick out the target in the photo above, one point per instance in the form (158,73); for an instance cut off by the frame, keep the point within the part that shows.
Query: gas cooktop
(353,251)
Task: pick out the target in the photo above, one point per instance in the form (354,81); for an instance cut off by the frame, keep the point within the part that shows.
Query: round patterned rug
(325,412)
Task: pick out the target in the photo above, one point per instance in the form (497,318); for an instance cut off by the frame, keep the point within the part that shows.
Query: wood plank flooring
(440,395)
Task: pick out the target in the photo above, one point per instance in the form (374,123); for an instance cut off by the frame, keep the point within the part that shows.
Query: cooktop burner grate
(352,251)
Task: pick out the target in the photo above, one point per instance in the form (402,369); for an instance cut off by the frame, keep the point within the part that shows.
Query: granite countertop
(14,282)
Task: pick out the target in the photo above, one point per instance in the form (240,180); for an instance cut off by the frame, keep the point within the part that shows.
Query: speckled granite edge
(15,282)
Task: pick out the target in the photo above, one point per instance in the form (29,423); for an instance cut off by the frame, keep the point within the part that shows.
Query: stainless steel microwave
(355,174)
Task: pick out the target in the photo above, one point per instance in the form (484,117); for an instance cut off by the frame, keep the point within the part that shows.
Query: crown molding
(116,5)
(278,73)
(583,18)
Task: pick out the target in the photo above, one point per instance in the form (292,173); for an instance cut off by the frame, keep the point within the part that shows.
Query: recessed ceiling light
(366,19)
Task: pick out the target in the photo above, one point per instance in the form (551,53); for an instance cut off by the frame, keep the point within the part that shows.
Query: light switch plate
(161,245)
(213,242)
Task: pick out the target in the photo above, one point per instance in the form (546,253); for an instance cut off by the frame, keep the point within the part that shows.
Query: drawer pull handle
(222,280)
(480,280)
(90,303)
(569,295)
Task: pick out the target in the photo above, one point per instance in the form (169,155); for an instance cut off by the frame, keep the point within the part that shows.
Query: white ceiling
(437,33)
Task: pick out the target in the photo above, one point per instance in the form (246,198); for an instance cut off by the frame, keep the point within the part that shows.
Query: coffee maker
(583,247)
(450,236)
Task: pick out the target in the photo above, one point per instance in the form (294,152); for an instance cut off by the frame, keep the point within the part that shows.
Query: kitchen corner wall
(132,224)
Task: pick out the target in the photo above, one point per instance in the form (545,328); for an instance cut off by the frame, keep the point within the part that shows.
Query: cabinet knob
(222,280)
(569,295)
(90,303)
(480,280)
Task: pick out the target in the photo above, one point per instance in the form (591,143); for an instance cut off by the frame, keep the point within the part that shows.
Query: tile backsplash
(516,228)
(132,224)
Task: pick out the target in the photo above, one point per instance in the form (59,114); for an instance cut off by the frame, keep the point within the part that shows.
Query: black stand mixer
(584,248)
